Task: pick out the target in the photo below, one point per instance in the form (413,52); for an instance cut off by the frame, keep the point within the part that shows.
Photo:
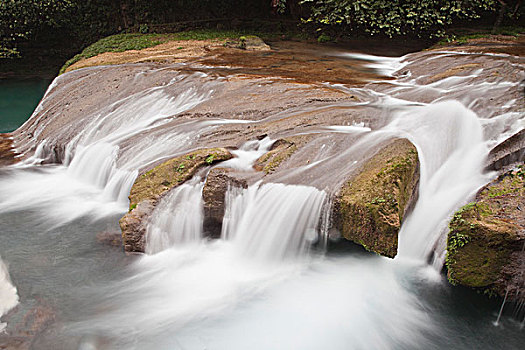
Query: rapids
(276,279)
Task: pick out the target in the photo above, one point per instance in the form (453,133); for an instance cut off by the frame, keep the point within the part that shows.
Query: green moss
(483,234)
(117,43)
(278,158)
(373,203)
(138,41)
(172,173)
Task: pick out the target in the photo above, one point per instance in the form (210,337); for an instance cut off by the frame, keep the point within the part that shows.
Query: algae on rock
(371,206)
(150,187)
(486,239)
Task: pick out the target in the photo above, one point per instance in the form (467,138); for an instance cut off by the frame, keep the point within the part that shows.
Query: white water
(248,153)
(245,290)
(272,221)
(103,159)
(177,219)
(255,288)
(452,152)
(8,294)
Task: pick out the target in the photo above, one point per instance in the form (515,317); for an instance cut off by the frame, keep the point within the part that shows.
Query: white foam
(8,294)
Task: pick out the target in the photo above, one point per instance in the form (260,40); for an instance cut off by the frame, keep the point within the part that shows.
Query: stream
(275,279)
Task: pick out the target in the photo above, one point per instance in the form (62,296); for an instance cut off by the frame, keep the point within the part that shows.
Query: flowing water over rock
(262,285)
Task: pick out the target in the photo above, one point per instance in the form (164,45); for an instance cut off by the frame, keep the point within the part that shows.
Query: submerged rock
(370,207)
(485,246)
(25,325)
(213,195)
(150,187)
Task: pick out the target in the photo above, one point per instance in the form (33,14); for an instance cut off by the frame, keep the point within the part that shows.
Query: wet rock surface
(508,153)
(218,181)
(371,206)
(7,153)
(151,186)
(487,238)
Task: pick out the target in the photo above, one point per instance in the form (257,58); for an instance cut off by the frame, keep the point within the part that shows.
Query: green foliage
(85,21)
(19,19)
(143,28)
(323,38)
(395,17)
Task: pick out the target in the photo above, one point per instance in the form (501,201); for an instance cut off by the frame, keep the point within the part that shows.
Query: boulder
(485,245)
(371,205)
(218,182)
(253,43)
(150,187)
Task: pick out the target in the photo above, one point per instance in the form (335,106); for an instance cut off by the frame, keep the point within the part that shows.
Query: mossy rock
(486,237)
(150,187)
(172,173)
(253,43)
(370,206)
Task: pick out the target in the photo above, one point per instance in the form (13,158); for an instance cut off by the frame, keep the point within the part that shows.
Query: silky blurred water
(262,285)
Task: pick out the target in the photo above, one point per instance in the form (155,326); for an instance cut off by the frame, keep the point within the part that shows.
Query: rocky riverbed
(336,121)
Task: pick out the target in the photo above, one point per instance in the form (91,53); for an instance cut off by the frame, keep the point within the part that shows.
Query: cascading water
(452,153)
(103,159)
(256,287)
(272,221)
(177,219)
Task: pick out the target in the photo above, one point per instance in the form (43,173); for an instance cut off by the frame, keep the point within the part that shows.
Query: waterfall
(8,294)
(177,219)
(273,221)
(452,152)
(102,159)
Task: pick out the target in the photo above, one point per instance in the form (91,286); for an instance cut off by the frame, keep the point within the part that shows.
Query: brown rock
(370,207)
(7,153)
(150,187)
(253,43)
(213,194)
